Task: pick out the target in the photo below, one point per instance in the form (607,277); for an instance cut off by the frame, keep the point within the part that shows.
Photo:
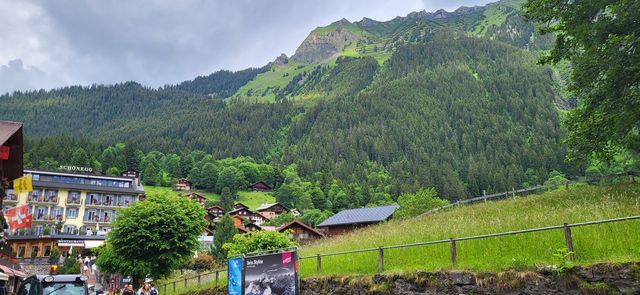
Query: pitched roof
(360,215)
(240,204)
(302,224)
(267,206)
(216,207)
(259,182)
(8,129)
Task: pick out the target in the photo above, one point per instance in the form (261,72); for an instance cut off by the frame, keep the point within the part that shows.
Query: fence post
(513,192)
(454,254)
(319,263)
(185,282)
(174,287)
(568,240)
(380,259)
(165,289)
(198,279)
(216,279)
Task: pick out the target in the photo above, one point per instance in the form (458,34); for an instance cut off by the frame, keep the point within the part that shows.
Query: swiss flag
(19,217)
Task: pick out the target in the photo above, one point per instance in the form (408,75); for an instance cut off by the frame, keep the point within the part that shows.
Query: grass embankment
(252,199)
(613,242)
(207,281)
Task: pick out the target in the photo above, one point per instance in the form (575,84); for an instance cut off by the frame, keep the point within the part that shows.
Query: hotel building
(70,210)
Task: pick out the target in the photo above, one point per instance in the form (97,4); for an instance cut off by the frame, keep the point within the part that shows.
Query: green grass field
(611,242)
(252,199)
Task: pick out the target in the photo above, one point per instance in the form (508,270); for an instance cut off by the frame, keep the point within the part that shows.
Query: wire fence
(532,189)
(453,244)
(216,278)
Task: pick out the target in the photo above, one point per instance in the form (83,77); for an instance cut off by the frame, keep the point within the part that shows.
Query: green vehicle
(54,285)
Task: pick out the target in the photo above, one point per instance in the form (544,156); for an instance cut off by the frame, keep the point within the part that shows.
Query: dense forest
(426,106)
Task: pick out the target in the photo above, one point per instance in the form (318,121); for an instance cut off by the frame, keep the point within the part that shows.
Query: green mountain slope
(422,96)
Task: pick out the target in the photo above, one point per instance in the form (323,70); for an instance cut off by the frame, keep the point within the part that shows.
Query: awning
(93,243)
(12,272)
(70,243)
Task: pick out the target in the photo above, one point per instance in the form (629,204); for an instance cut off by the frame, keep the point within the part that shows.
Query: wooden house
(240,205)
(272,210)
(260,186)
(350,219)
(182,184)
(238,221)
(130,173)
(257,218)
(252,227)
(215,211)
(300,231)
(243,212)
(196,197)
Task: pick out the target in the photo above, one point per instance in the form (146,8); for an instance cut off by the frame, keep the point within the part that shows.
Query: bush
(203,262)
(418,203)
(258,241)
(54,257)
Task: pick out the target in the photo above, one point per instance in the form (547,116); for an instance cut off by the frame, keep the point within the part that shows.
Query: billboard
(234,278)
(273,274)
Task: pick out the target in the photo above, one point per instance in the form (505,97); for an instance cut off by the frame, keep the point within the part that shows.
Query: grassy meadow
(253,200)
(596,243)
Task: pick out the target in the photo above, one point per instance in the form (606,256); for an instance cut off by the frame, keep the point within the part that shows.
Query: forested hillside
(445,100)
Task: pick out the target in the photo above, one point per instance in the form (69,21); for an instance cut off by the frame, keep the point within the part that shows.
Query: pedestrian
(128,290)
(86,260)
(153,290)
(144,289)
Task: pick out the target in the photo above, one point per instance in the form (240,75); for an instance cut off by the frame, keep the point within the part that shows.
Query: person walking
(128,290)
(144,289)
(153,290)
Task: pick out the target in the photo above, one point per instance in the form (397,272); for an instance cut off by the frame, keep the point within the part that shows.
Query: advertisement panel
(274,274)
(234,280)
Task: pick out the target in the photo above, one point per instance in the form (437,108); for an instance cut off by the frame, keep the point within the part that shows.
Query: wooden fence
(215,278)
(453,242)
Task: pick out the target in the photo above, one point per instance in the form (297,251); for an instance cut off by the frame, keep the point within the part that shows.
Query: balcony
(11,198)
(48,217)
(43,199)
(98,220)
(73,201)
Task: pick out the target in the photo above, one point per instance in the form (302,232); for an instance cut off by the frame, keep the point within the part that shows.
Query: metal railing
(453,242)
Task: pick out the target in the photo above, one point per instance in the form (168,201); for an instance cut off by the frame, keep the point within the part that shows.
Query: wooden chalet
(182,184)
(215,211)
(351,219)
(196,197)
(257,218)
(260,186)
(300,231)
(240,205)
(272,210)
(238,221)
(243,212)
(252,227)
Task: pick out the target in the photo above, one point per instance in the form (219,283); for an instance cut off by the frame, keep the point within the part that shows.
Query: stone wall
(595,279)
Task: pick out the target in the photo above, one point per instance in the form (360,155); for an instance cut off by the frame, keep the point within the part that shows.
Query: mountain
(453,100)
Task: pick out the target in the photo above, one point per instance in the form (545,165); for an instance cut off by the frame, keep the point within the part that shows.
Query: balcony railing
(48,217)
(44,199)
(73,201)
(11,198)
(98,220)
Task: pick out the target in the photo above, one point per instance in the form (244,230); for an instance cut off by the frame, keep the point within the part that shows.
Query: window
(21,251)
(47,251)
(57,212)
(73,198)
(38,230)
(90,215)
(72,213)
(69,229)
(34,251)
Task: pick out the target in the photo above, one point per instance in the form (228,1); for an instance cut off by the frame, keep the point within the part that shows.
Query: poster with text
(234,278)
(273,274)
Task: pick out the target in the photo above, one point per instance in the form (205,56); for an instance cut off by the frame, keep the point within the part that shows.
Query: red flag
(4,152)
(19,217)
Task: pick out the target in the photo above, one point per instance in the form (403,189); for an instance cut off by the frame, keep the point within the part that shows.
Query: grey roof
(87,187)
(267,206)
(8,129)
(360,215)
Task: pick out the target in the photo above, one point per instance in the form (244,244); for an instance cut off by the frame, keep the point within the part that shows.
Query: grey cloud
(164,42)
(15,76)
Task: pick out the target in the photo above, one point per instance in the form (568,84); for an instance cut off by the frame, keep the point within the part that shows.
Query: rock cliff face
(317,48)
(595,279)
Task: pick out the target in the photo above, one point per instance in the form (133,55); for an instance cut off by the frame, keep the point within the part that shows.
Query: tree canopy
(600,39)
(153,237)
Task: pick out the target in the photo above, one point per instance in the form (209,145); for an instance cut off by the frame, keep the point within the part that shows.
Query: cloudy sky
(53,43)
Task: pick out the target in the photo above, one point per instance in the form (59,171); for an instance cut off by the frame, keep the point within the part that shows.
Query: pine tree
(224,232)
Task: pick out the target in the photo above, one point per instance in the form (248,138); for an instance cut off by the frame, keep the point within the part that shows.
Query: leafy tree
(314,217)
(258,241)
(156,236)
(227,199)
(224,232)
(420,202)
(131,159)
(203,262)
(208,176)
(54,256)
(231,177)
(71,265)
(79,157)
(555,177)
(151,175)
(600,40)
(281,219)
